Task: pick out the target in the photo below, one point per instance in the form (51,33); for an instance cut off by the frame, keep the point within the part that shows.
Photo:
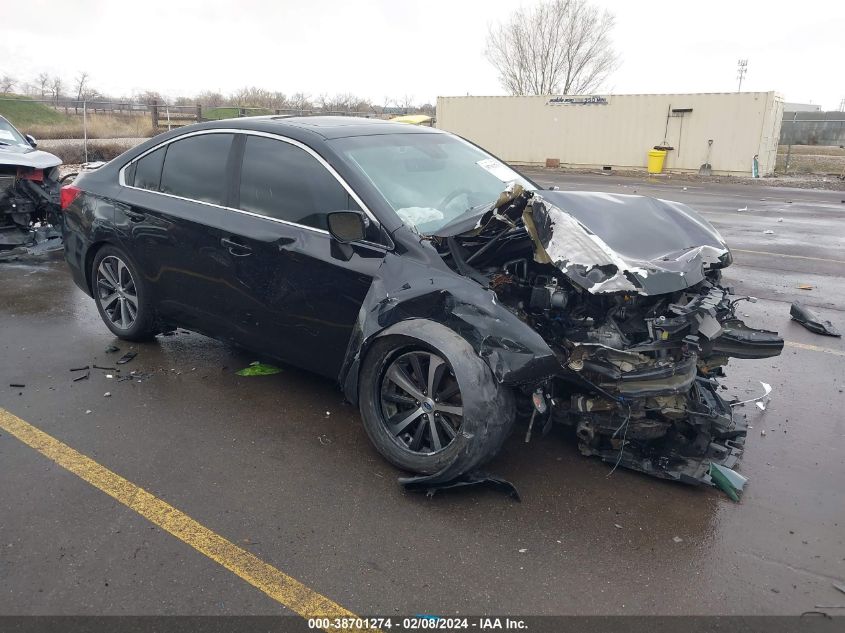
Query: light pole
(741,69)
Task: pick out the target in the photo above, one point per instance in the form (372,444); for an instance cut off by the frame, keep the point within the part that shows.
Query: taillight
(31,174)
(69,194)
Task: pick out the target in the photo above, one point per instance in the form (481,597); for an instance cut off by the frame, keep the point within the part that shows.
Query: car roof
(328,127)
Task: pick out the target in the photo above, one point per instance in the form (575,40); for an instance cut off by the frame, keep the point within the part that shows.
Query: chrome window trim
(278,137)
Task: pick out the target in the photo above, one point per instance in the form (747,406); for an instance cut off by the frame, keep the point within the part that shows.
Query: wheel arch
(90,254)
(488,405)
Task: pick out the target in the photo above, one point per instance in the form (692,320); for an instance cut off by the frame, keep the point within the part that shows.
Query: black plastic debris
(111,349)
(811,320)
(16,385)
(477,478)
(126,358)
(137,376)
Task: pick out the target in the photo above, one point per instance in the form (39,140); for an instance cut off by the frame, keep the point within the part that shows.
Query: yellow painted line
(814,259)
(278,585)
(814,348)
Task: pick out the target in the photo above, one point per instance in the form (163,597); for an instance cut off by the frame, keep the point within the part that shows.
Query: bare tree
(56,89)
(210,98)
(406,103)
(300,101)
(149,97)
(7,82)
(43,83)
(81,81)
(556,47)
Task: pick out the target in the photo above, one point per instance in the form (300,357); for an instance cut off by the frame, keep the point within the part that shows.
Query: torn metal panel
(812,321)
(406,288)
(620,243)
(473,479)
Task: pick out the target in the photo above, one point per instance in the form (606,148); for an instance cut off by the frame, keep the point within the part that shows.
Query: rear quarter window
(146,172)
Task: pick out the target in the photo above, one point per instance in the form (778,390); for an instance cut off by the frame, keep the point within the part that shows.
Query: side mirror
(346,226)
(31,140)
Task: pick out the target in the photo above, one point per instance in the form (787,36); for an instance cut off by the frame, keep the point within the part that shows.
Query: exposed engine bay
(29,196)
(626,291)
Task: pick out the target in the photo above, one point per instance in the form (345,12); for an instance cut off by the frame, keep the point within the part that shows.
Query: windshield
(9,135)
(429,179)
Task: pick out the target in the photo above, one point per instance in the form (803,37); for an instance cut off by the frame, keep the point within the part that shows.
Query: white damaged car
(29,194)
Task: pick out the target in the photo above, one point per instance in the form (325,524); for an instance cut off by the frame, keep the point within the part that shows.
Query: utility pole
(741,69)
(842,105)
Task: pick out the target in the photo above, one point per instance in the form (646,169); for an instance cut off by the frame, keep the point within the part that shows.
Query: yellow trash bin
(656,157)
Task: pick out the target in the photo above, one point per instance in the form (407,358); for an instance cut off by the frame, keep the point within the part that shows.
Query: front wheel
(431,405)
(122,299)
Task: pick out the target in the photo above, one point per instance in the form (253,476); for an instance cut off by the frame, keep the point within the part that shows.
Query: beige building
(617,131)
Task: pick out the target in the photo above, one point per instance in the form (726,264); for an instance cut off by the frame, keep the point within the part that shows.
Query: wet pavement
(282,467)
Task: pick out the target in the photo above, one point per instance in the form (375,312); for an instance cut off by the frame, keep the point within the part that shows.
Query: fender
(406,289)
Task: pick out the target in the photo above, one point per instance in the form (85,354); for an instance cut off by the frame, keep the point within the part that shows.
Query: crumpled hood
(27,157)
(623,243)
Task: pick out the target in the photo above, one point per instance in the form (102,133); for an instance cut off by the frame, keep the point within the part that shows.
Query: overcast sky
(379,48)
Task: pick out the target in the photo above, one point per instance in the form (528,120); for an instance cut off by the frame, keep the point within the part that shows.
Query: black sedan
(444,291)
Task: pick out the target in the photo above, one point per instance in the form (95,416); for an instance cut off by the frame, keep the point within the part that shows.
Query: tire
(122,298)
(466,386)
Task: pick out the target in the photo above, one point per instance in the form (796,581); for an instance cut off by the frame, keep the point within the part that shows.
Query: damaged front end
(29,196)
(626,291)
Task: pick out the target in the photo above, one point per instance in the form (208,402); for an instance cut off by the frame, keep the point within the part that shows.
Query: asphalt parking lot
(281,467)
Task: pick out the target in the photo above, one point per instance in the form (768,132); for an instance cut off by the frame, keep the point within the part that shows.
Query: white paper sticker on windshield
(498,169)
(6,134)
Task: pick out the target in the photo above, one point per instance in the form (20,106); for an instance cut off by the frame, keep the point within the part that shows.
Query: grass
(73,153)
(44,122)
(215,114)
(99,126)
(825,160)
(815,150)
(23,112)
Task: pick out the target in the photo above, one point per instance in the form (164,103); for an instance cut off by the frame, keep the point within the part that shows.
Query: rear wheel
(122,300)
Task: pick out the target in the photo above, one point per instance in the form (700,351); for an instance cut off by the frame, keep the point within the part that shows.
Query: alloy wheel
(116,292)
(421,406)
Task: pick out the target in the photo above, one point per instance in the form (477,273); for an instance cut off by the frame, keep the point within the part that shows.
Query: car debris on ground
(759,400)
(259,369)
(128,356)
(728,481)
(812,321)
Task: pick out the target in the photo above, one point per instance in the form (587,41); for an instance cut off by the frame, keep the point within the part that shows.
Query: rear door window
(283,181)
(195,168)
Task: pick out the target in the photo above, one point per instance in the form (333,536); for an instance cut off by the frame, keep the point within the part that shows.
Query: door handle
(134,216)
(235,248)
